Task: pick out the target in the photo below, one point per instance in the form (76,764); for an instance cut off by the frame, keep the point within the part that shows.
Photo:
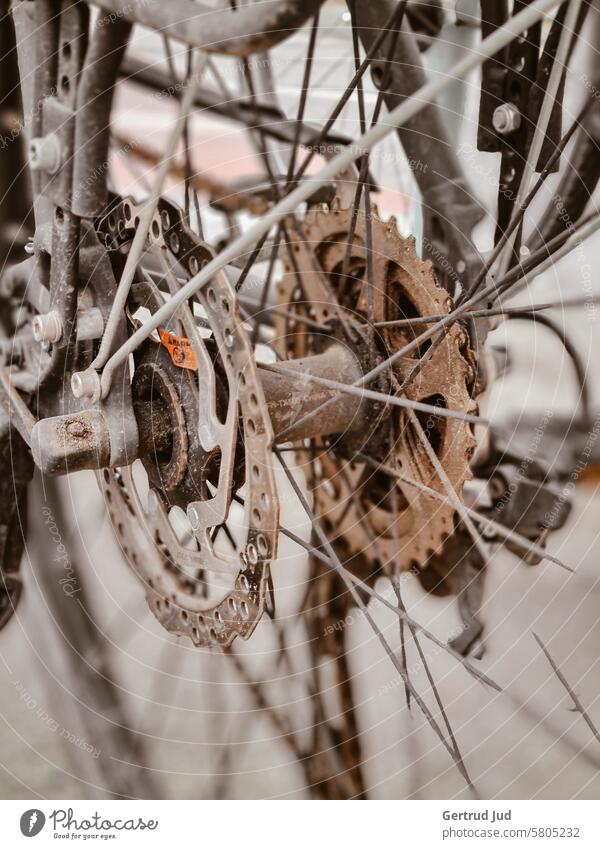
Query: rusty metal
(291,395)
(95,92)
(227,380)
(199,417)
(336,760)
(154,426)
(15,407)
(206,440)
(63,444)
(402,287)
(77,441)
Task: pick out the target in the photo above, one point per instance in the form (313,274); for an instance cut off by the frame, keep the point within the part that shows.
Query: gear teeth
(432,525)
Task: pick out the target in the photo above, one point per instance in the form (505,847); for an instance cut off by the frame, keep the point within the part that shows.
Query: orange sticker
(180,349)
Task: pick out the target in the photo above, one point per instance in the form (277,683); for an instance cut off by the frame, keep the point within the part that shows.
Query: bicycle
(286,346)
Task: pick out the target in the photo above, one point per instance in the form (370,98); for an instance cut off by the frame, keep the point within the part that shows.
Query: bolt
(45,154)
(506,118)
(77,429)
(47,327)
(86,384)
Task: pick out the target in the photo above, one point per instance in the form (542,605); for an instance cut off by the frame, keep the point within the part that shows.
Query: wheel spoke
(501,530)
(575,698)
(360,392)
(362,185)
(291,201)
(522,206)
(394,21)
(559,65)
(139,241)
(400,614)
(459,758)
(360,603)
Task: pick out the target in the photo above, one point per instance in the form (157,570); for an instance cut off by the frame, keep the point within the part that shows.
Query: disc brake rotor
(172,511)
(389,521)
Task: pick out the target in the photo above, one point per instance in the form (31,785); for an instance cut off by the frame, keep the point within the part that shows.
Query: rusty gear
(403,287)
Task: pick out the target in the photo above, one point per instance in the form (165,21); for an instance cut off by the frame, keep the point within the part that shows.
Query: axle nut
(506,119)
(45,154)
(64,444)
(47,327)
(77,429)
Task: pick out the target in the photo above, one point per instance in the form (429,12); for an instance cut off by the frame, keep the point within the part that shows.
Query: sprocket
(393,524)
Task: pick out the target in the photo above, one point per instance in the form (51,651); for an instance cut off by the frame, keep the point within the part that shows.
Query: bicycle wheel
(258,359)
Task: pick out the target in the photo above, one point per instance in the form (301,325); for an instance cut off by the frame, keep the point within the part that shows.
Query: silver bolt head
(45,153)
(506,118)
(47,327)
(86,384)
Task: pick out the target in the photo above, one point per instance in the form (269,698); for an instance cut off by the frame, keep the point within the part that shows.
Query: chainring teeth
(400,271)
